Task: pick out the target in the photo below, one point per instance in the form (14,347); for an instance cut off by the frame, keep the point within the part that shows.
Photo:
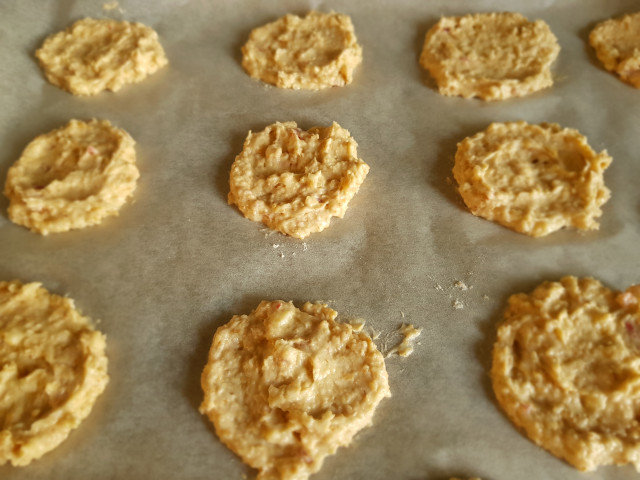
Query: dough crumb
(457,304)
(95,55)
(311,53)
(405,347)
(461,285)
(285,387)
(357,324)
(107,7)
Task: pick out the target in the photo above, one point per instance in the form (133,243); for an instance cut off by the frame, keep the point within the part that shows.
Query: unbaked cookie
(311,53)
(566,369)
(95,55)
(72,177)
(617,45)
(286,387)
(533,179)
(492,56)
(293,180)
(52,370)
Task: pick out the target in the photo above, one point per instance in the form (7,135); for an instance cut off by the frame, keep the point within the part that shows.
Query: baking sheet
(178,261)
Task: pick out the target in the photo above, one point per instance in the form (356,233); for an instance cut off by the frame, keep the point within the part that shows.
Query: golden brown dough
(295,181)
(72,177)
(286,387)
(95,55)
(566,369)
(491,56)
(617,45)
(52,370)
(315,52)
(534,179)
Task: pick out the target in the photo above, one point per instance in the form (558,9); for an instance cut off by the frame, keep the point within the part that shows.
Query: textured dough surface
(72,177)
(95,55)
(52,370)
(617,45)
(566,369)
(311,53)
(293,180)
(533,179)
(286,387)
(492,56)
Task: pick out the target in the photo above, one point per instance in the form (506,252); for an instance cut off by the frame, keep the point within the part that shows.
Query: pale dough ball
(311,53)
(72,177)
(95,55)
(617,45)
(533,179)
(286,387)
(492,56)
(566,369)
(293,180)
(52,370)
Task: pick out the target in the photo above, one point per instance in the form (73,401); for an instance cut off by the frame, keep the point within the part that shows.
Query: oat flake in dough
(52,369)
(286,387)
(492,56)
(295,181)
(95,55)
(566,369)
(311,53)
(72,177)
(617,45)
(534,179)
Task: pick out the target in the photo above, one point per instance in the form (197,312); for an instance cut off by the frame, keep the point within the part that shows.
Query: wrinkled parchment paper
(178,261)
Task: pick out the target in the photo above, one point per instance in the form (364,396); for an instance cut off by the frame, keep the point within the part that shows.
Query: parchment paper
(179,262)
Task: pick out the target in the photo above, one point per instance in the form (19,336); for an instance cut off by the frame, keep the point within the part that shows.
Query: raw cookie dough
(95,55)
(492,56)
(406,346)
(311,53)
(286,387)
(533,179)
(293,180)
(617,45)
(566,369)
(52,370)
(72,177)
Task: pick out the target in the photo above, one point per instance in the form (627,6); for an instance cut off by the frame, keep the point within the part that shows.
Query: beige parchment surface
(178,261)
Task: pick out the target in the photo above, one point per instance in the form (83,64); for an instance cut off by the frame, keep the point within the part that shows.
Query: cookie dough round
(95,55)
(286,387)
(52,370)
(311,53)
(534,179)
(72,177)
(492,56)
(293,180)
(617,45)
(566,369)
